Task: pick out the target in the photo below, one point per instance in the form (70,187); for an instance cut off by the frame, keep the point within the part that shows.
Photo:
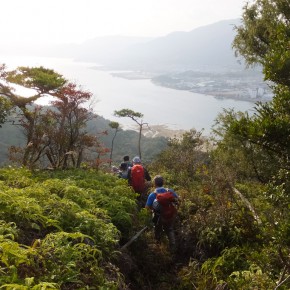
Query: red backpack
(166,204)
(137,178)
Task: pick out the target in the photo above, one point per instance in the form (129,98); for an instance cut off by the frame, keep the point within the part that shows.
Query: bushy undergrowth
(231,246)
(231,229)
(61,230)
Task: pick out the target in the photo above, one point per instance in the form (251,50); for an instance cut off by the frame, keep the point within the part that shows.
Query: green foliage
(54,136)
(126,142)
(251,161)
(263,140)
(70,258)
(61,229)
(232,270)
(8,230)
(217,221)
(184,159)
(251,279)
(114,125)
(29,285)
(254,151)
(129,113)
(263,38)
(39,78)
(268,130)
(5,109)
(137,118)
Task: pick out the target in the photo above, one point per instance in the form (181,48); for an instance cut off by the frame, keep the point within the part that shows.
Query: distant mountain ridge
(104,49)
(204,48)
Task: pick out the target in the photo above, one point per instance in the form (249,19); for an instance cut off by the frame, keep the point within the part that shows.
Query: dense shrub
(59,230)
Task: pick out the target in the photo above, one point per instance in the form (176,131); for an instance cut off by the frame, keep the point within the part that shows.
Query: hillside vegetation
(64,229)
(125,142)
(68,222)
(60,230)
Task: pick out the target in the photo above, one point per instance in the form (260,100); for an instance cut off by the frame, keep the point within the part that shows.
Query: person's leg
(143,198)
(169,230)
(158,228)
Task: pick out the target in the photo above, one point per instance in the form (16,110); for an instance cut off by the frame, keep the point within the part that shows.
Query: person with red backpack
(163,203)
(138,175)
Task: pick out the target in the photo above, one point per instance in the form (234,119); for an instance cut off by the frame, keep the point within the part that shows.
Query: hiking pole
(135,237)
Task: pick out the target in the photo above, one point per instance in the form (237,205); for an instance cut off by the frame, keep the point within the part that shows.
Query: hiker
(137,176)
(163,202)
(123,170)
(126,159)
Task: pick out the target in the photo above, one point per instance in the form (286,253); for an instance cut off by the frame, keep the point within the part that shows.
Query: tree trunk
(139,142)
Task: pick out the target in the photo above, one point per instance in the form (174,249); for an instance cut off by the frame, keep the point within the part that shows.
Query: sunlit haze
(64,21)
(66,35)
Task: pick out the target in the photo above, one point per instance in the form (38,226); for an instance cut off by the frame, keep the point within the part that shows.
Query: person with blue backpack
(163,203)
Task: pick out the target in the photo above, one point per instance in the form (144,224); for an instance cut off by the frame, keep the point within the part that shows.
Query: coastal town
(243,85)
(240,85)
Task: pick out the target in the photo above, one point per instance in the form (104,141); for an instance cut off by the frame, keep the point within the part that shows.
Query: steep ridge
(204,47)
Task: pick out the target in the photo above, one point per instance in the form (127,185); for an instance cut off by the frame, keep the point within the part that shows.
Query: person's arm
(129,176)
(148,207)
(147,175)
(149,201)
(177,199)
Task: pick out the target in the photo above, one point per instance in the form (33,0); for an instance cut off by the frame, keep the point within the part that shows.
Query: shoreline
(217,94)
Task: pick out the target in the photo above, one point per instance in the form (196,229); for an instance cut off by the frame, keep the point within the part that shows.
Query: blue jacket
(152,195)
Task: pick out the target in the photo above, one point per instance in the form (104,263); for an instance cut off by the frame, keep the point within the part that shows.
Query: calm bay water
(160,106)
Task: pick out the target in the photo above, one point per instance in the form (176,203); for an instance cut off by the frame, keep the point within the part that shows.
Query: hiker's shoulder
(160,190)
(170,190)
(137,166)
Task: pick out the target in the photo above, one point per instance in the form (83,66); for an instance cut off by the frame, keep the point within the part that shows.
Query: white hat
(136,159)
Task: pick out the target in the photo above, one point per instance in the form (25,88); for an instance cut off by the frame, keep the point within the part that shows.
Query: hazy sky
(79,20)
